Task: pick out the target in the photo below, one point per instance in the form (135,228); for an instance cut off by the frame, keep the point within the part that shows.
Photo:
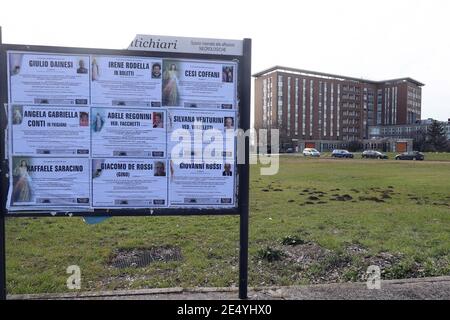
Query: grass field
(316,221)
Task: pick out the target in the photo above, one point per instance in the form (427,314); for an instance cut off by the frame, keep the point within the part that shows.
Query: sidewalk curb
(179,290)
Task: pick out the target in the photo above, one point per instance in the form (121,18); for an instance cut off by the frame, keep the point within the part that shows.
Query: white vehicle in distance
(310,152)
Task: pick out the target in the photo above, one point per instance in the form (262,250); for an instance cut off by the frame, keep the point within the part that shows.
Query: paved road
(358,159)
(413,289)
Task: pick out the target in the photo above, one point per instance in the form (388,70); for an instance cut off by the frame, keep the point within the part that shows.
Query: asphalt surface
(410,289)
(358,159)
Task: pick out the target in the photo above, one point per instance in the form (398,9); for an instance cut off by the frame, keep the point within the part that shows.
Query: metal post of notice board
(244,175)
(3,187)
(2,257)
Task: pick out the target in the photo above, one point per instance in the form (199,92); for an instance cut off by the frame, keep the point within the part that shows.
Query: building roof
(330,76)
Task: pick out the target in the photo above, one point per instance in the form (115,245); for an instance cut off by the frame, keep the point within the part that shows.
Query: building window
(280,102)
(296,107)
(395,104)
(311,101)
(379,106)
(319,120)
(289,106)
(325,110)
(392,105)
(269,117)
(304,107)
(332,110)
(338,111)
(265,104)
(386,106)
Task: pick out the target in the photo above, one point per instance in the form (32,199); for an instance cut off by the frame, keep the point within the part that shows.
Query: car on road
(342,154)
(414,155)
(373,154)
(290,150)
(311,152)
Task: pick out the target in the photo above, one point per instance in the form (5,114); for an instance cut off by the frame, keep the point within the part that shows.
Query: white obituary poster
(47,183)
(97,131)
(50,131)
(199,84)
(194,184)
(201,134)
(131,183)
(59,79)
(138,133)
(126,81)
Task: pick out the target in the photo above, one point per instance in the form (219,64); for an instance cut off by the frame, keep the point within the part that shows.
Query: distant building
(407,131)
(311,106)
(448,129)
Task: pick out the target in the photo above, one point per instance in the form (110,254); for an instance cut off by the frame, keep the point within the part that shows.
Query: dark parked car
(290,150)
(372,154)
(342,154)
(415,155)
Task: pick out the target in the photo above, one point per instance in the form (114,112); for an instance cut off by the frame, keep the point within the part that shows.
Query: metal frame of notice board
(242,196)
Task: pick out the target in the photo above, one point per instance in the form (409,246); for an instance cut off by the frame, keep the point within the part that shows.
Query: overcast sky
(371,39)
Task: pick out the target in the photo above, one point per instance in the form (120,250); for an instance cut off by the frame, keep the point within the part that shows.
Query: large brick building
(315,106)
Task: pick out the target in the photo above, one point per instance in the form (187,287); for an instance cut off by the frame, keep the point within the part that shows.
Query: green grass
(413,225)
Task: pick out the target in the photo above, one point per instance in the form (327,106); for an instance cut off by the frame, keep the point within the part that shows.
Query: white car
(310,152)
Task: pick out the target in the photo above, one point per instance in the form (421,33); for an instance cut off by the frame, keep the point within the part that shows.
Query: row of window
(350,97)
(351,88)
(350,121)
(350,130)
(280,106)
(347,113)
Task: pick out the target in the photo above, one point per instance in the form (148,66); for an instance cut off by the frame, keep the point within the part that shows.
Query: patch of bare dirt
(320,265)
(355,249)
(383,260)
(139,258)
(306,254)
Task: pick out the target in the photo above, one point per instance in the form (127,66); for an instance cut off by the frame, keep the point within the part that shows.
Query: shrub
(270,254)
(355,146)
(292,241)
